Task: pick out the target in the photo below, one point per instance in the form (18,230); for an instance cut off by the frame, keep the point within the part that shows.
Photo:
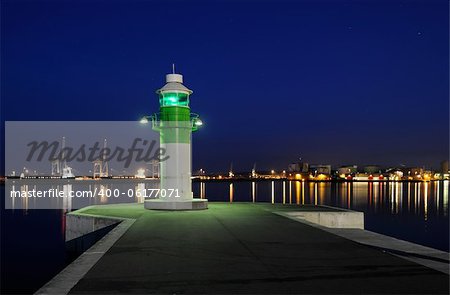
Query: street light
(144,120)
(198,122)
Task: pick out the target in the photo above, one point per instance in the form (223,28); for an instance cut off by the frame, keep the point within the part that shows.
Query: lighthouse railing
(194,123)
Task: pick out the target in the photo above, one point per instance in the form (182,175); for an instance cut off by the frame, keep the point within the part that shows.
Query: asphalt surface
(245,248)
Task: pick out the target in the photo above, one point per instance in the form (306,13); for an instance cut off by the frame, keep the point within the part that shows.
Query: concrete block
(79,225)
(344,219)
(159,204)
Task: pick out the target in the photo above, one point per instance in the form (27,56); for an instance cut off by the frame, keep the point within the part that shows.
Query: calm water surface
(33,246)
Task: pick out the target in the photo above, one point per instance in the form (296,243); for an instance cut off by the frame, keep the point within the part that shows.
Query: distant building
(415,171)
(345,170)
(372,169)
(367,176)
(320,169)
(444,167)
(395,173)
(298,167)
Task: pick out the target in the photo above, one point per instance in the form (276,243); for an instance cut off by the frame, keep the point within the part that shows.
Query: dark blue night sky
(333,82)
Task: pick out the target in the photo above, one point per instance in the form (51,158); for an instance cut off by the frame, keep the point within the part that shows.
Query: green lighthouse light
(173,99)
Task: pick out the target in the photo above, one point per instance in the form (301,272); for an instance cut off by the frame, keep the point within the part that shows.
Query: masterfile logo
(141,150)
(46,148)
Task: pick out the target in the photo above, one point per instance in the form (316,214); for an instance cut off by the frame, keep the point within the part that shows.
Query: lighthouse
(175,123)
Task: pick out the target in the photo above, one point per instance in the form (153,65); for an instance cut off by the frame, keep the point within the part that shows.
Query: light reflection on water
(397,197)
(253,191)
(418,198)
(231,192)
(414,211)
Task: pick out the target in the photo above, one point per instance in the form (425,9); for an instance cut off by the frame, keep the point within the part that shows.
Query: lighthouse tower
(175,124)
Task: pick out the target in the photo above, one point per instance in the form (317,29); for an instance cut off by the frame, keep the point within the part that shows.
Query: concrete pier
(78,225)
(245,248)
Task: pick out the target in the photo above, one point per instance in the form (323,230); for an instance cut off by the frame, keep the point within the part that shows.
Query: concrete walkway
(244,248)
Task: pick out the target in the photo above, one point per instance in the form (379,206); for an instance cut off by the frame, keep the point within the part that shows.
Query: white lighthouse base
(160,204)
